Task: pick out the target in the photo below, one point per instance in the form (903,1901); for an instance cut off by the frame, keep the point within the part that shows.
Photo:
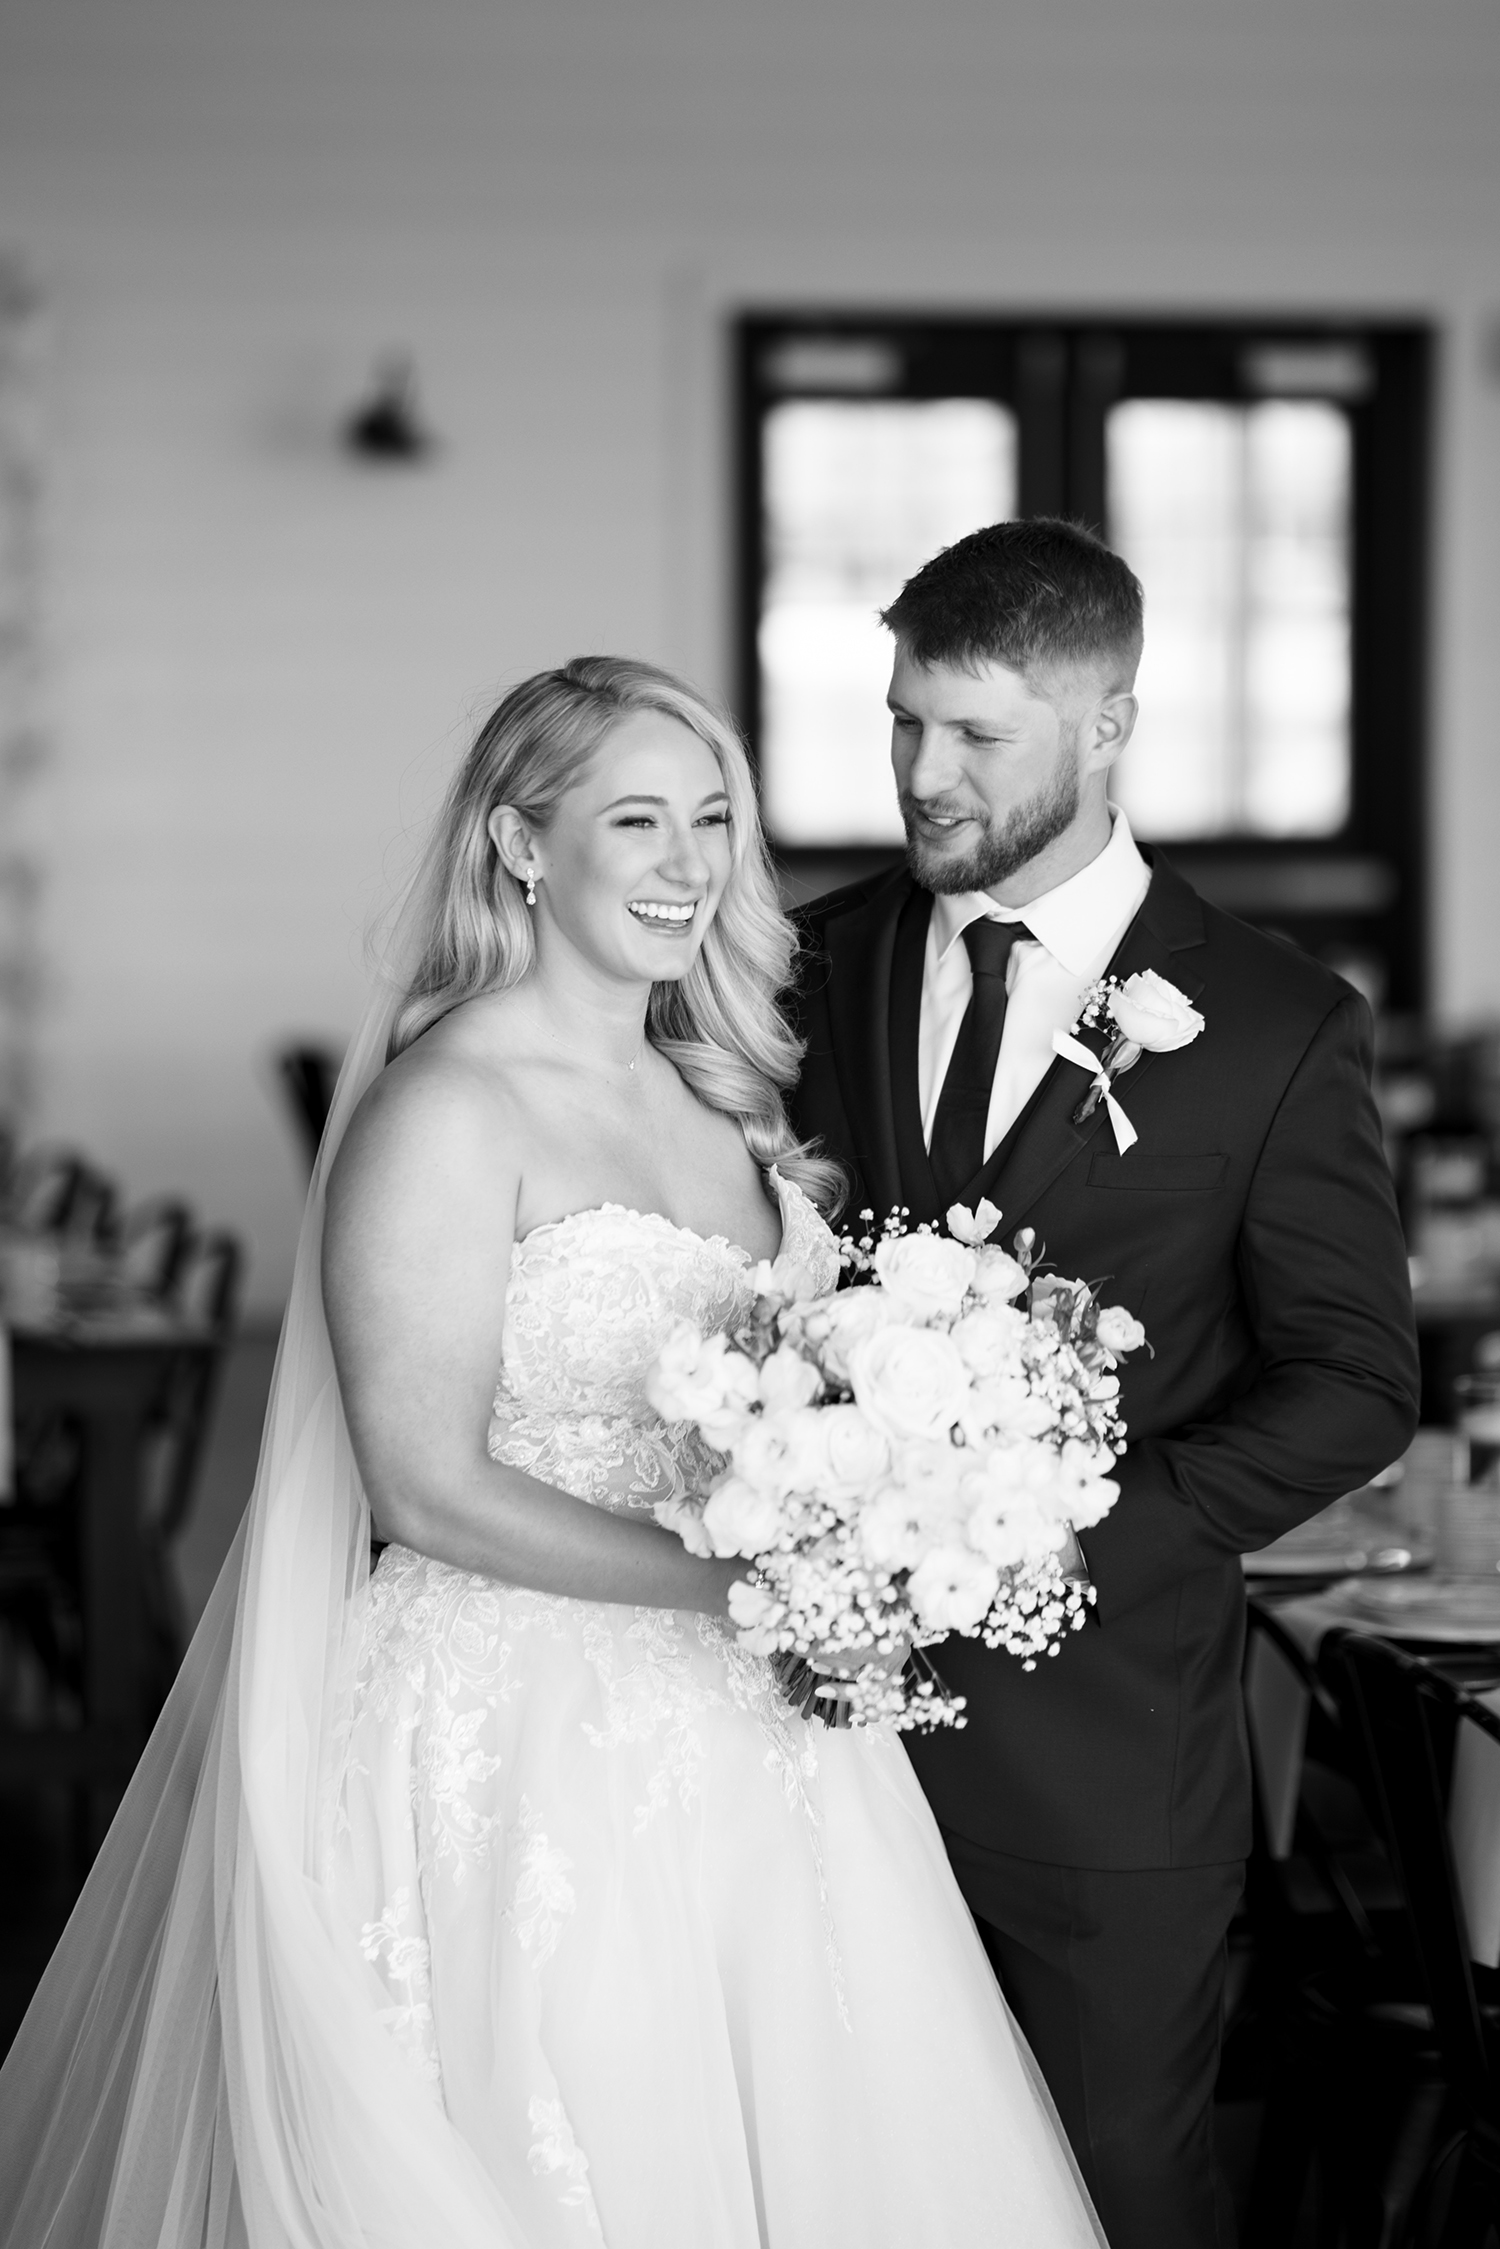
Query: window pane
(858,495)
(1236,521)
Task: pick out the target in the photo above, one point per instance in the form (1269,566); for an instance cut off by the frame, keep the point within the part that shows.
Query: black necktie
(964,1103)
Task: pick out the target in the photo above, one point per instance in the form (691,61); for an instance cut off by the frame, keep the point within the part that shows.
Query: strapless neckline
(735,1250)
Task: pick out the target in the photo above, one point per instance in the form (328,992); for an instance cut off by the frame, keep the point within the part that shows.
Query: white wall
(263,659)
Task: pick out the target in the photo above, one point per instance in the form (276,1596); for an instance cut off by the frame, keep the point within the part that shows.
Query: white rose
(787,1379)
(1119,1331)
(951,1589)
(999,1277)
(989,1338)
(910,1382)
(857,1452)
(973,1226)
(926,1277)
(1154,1013)
(741,1517)
(680,1516)
(852,1315)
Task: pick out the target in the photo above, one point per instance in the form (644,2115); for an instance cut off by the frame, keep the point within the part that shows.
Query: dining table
(100,1386)
(1413,1559)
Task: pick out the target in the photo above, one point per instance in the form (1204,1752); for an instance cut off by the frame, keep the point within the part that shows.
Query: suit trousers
(1117,1982)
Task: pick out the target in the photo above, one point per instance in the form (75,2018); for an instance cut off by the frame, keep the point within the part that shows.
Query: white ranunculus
(931,1476)
(1154,1013)
(741,1518)
(1119,1331)
(909,1381)
(1082,1461)
(739,1388)
(783,1280)
(857,1452)
(1089,1503)
(973,1226)
(989,1338)
(1000,1277)
(1008,1527)
(755,1611)
(787,1379)
(892,1533)
(926,1277)
(699,1378)
(783,1451)
(676,1515)
(853,1314)
(951,1589)
(1006,1404)
(688,1375)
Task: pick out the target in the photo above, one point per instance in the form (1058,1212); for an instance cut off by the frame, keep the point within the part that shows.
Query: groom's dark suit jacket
(1254,1231)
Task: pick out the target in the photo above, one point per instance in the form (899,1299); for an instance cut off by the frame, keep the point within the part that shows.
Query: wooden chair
(1411,1721)
(1339,2039)
(309,1075)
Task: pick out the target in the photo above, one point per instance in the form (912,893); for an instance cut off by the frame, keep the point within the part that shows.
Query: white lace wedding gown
(685,1971)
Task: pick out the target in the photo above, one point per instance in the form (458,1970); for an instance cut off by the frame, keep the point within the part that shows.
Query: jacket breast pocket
(1158,1175)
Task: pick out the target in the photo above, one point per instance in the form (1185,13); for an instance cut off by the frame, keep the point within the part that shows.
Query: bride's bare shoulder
(452,1109)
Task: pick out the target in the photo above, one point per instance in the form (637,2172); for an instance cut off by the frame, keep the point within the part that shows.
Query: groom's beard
(1000,851)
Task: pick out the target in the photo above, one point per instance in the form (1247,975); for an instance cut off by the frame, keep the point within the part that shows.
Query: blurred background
(358,358)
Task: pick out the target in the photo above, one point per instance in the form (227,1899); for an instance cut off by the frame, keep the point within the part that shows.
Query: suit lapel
(1044,1138)
(861,948)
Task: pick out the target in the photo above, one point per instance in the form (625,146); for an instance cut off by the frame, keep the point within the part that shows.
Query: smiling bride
(496,1896)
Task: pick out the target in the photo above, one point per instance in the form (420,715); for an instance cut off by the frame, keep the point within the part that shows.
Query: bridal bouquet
(904,1458)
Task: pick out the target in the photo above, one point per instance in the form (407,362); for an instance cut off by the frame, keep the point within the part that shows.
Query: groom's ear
(1107,728)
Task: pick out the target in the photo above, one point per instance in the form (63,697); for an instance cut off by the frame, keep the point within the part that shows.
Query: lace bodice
(591,1300)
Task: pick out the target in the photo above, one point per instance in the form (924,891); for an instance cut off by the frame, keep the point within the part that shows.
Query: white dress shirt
(1077,927)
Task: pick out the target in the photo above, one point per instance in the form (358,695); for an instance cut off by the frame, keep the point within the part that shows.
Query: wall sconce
(387,426)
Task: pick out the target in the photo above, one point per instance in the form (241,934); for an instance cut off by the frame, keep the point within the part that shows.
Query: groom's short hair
(1037,596)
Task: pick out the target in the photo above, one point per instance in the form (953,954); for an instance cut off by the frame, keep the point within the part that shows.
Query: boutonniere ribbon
(1150,1016)
(1074,1050)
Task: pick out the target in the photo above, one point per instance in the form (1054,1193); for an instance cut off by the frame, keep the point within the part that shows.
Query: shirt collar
(1078,921)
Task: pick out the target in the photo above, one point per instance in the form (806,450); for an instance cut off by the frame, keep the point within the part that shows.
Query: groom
(1097,1811)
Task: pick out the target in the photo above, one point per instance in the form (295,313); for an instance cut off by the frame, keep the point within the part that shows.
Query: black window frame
(1362,891)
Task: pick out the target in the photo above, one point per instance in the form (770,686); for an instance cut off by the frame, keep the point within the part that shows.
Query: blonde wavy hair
(721,1024)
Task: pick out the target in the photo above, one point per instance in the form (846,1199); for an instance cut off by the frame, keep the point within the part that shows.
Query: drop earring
(530,885)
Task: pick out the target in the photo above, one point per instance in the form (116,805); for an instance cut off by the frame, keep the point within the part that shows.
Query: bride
(495,1896)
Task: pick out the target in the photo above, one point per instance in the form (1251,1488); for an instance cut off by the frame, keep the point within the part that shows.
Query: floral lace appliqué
(405,1965)
(554,2150)
(541,1896)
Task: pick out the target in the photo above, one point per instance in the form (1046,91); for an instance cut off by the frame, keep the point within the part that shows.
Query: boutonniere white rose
(1149,1016)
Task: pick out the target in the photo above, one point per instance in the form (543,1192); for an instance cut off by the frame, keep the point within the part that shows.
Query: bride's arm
(416,1253)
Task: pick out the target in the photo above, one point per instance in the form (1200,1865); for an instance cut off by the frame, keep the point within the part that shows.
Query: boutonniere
(1148,1016)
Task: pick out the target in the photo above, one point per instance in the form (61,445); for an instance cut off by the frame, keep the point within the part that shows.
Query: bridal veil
(203,2065)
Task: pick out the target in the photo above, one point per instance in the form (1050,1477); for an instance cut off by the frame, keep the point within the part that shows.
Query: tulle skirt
(683,1971)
